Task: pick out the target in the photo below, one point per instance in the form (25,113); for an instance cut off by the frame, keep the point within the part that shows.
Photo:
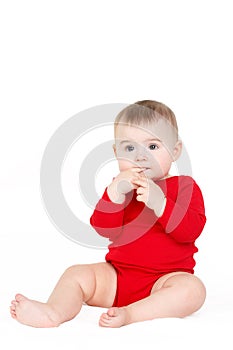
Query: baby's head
(146,136)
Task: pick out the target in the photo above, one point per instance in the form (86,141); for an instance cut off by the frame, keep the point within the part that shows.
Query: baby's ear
(114,149)
(177,150)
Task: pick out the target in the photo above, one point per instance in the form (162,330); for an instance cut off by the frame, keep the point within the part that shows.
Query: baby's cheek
(125,164)
(165,165)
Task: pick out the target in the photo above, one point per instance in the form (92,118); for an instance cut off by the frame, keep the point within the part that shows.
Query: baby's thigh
(105,278)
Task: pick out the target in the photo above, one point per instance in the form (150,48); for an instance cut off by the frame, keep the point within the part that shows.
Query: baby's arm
(107,218)
(184,219)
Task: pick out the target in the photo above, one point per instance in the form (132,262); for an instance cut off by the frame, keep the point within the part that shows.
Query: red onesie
(145,247)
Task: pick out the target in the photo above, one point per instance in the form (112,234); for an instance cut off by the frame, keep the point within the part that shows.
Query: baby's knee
(71,270)
(82,275)
(198,288)
(195,293)
(77,271)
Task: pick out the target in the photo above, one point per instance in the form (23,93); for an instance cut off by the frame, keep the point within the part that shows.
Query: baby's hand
(122,184)
(150,194)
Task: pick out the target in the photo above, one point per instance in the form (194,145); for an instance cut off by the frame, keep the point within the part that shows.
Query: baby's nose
(141,154)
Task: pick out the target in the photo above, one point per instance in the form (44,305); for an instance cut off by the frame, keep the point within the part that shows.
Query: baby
(152,220)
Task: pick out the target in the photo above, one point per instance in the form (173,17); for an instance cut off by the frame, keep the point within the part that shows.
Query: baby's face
(152,149)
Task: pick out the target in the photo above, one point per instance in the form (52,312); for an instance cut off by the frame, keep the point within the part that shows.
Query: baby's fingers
(140,190)
(142,182)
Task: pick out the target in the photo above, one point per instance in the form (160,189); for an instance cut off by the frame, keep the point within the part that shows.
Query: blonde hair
(145,113)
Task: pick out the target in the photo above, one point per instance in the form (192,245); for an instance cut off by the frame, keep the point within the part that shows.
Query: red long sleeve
(184,215)
(108,217)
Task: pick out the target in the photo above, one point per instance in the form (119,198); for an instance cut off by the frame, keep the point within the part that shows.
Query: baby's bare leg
(94,284)
(177,294)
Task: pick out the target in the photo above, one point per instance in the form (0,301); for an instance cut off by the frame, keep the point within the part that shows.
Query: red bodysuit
(145,247)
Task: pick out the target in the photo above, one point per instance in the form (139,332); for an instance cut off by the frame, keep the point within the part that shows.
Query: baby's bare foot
(33,313)
(114,318)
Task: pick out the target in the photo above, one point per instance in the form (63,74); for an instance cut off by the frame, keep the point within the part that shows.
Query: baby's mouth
(144,168)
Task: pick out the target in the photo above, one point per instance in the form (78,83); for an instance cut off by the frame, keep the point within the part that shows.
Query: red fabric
(140,240)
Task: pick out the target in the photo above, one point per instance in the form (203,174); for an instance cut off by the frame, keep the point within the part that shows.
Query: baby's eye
(153,146)
(129,148)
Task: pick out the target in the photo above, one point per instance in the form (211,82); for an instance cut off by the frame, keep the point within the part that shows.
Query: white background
(61,57)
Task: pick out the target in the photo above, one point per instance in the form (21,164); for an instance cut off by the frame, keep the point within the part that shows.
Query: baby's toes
(12,312)
(20,297)
(104,320)
(13,307)
(14,304)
